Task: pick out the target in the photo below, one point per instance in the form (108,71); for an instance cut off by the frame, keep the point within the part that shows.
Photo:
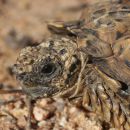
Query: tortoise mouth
(44,91)
(40,91)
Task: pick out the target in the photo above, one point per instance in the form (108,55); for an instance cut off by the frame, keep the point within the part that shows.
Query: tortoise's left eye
(48,69)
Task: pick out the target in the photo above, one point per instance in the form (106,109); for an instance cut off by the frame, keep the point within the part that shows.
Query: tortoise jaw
(40,91)
(45,91)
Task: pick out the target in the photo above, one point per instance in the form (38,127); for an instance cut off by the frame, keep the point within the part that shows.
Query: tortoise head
(48,69)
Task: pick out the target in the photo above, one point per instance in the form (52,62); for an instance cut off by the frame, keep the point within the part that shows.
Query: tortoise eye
(48,69)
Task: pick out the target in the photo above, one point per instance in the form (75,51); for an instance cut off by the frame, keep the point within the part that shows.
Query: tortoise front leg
(115,68)
(28,104)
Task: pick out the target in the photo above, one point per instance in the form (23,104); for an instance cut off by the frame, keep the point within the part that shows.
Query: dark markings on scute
(120,51)
(124,86)
(118,35)
(89,42)
(90,31)
(93,49)
(127,63)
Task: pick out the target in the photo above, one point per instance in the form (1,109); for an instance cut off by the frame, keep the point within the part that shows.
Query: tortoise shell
(103,32)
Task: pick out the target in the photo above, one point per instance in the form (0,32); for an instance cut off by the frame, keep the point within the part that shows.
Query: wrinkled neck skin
(77,88)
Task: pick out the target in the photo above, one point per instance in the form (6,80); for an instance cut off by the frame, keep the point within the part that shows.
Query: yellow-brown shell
(107,38)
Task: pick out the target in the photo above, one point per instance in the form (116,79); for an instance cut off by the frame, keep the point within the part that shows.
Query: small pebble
(40,114)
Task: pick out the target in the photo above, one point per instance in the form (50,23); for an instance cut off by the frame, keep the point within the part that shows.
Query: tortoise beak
(40,91)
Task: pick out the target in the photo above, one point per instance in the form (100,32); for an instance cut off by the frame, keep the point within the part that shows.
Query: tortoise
(86,60)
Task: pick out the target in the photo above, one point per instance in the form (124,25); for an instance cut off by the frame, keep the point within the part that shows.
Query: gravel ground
(23,23)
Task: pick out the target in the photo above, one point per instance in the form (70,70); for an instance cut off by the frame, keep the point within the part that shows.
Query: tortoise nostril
(21,76)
